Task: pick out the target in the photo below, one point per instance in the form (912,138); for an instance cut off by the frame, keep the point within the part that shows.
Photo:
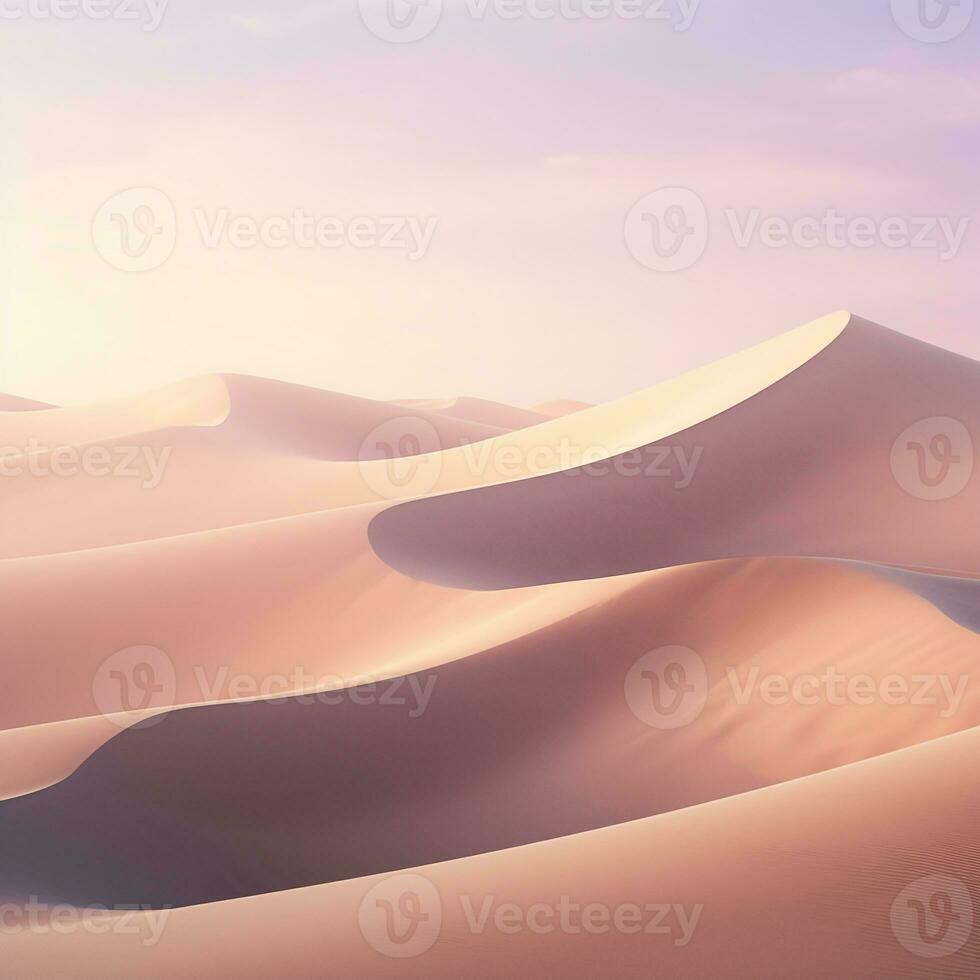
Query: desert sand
(437,638)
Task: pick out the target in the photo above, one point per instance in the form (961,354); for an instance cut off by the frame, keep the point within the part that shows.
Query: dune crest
(808,466)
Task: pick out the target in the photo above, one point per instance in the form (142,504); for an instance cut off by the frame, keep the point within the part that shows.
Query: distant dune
(503,417)
(11,403)
(561,407)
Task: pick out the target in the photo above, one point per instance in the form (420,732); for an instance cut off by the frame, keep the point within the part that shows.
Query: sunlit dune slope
(815,464)
(223,451)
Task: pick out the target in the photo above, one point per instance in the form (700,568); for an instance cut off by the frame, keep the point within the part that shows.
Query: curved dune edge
(326,426)
(41,754)
(818,861)
(811,465)
(307,592)
(528,741)
(638,419)
(190,457)
(200,401)
(192,493)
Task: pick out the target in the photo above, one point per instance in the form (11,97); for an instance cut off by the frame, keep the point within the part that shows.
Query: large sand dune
(188,445)
(802,468)
(799,879)
(739,679)
(544,744)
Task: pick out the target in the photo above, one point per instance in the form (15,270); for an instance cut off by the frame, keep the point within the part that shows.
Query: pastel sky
(529,140)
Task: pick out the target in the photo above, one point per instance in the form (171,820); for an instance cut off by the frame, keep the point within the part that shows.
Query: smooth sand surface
(544,743)
(477,617)
(795,880)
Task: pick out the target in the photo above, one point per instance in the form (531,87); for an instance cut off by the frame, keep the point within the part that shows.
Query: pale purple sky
(525,141)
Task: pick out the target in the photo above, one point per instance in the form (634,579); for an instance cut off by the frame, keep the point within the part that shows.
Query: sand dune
(156,482)
(502,417)
(285,418)
(259,601)
(192,444)
(13,403)
(197,402)
(311,640)
(294,420)
(307,593)
(798,880)
(544,742)
(805,467)
(560,407)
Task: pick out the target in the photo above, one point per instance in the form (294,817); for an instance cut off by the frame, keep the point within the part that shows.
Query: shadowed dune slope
(259,602)
(798,880)
(958,598)
(531,740)
(805,467)
(304,593)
